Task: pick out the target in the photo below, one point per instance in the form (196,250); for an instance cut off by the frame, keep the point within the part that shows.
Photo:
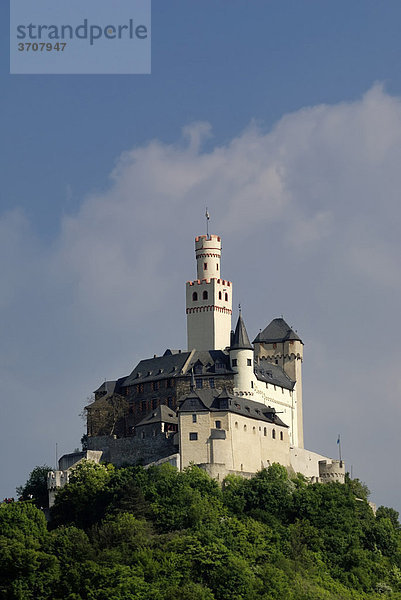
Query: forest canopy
(157,534)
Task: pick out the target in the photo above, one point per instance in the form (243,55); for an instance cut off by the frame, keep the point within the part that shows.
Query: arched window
(226,297)
(274,434)
(244,427)
(219,295)
(195,296)
(236,424)
(254,430)
(205,295)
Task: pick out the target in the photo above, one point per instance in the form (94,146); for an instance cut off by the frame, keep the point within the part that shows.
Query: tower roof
(277,331)
(240,340)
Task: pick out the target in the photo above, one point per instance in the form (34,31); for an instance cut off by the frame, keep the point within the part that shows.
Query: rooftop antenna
(207,222)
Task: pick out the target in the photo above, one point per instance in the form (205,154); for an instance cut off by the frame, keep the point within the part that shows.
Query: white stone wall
(284,402)
(208,319)
(244,378)
(249,444)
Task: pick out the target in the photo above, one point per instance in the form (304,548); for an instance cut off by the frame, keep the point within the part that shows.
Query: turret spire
(240,339)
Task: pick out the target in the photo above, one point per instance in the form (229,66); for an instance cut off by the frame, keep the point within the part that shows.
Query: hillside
(157,534)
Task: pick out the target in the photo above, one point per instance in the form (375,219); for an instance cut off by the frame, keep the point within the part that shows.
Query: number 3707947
(41,46)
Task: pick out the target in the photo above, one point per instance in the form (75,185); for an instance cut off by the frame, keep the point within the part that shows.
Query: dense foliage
(157,534)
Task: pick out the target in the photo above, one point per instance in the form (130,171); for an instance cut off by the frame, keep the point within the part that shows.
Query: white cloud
(310,218)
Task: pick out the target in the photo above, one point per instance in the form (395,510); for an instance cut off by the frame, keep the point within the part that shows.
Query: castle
(225,404)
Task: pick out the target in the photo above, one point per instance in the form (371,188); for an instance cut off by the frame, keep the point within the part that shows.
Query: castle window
(219,295)
(254,430)
(274,434)
(234,362)
(194,418)
(198,369)
(249,362)
(226,297)
(217,266)
(236,424)
(205,266)
(274,345)
(264,431)
(251,384)
(244,427)
(276,361)
(195,296)
(281,436)
(282,390)
(199,383)
(217,424)
(211,382)
(193,436)
(204,296)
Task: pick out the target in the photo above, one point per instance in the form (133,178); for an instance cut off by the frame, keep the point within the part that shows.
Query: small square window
(193,436)
(249,362)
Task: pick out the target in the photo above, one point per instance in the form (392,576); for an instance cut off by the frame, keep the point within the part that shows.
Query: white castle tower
(208,299)
(241,357)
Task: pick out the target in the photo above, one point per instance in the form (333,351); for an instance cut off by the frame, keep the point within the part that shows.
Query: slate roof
(213,400)
(274,374)
(179,364)
(161,414)
(110,387)
(240,340)
(168,365)
(277,331)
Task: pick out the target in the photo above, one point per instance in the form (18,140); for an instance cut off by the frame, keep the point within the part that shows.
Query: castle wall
(134,449)
(284,401)
(237,442)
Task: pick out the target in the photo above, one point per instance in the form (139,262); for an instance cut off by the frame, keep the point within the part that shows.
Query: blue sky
(299,163)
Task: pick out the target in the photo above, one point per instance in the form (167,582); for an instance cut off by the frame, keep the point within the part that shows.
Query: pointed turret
(241,357)
(240,339)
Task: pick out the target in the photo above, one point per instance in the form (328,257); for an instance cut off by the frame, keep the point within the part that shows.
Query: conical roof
(277,331)
(240,340)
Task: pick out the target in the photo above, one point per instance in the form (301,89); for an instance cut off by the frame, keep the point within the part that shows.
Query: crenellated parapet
(331,470)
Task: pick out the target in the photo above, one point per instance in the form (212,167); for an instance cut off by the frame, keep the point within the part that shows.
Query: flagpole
(339,446)
(207,222)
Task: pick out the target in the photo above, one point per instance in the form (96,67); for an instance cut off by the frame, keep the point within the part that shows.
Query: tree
(106,415)
(35,488)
